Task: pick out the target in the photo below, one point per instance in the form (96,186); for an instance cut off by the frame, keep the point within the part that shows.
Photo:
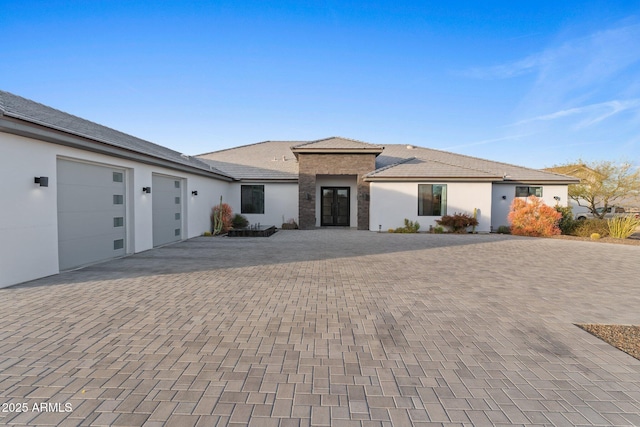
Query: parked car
(612,211)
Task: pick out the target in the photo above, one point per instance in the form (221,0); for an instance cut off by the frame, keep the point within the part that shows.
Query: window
(118,221)
(118,199)
(118,244)
(432,199)
(176,184)
(252,199)
(528,191)
(118,177)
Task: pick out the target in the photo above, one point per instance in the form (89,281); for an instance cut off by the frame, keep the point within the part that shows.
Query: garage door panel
(167,210)
(90,198)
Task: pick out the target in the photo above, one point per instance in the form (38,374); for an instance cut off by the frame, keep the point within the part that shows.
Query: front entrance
(335,210)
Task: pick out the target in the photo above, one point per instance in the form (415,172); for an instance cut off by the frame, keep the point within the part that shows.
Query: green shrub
(595,236)
(438,230)
(587,227)
(567,223)
(239,221)
(458,222)
(409,227)
(623,226)
(503,229)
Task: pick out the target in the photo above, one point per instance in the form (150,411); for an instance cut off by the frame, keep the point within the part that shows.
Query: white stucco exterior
(392,202)
(503,195)
(280,201)
(28,220)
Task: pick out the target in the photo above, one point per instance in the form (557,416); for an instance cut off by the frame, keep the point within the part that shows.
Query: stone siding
(311,165)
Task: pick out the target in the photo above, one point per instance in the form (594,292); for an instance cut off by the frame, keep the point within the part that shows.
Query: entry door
(335,206)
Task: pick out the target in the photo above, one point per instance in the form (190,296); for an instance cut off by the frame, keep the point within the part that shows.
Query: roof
(268,160)
(274,160)
(437,164)
(25,110)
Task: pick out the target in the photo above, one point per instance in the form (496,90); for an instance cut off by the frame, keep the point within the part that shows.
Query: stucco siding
(280,201)
(500,206)
(392,202)
(28,220)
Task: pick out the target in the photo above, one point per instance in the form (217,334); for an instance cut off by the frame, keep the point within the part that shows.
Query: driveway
(327,327)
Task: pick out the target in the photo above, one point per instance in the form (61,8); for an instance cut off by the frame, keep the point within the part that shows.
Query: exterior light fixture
(556,198)
(194,193)
(42,180)
(504,197)
(308,196)
(146,190)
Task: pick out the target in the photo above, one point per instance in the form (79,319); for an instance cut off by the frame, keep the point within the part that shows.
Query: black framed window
(252,199)
(524,191)
(432,199)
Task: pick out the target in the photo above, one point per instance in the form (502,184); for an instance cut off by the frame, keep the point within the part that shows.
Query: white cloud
(593,113)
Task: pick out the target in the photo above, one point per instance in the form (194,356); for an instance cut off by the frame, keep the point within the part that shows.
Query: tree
(602,183)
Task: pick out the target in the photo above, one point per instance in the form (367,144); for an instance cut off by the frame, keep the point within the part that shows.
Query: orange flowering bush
(531,217)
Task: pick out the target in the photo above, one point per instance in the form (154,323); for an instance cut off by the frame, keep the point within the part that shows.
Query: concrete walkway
(327,327)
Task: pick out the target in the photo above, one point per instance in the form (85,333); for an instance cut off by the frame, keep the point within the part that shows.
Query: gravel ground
(625,338)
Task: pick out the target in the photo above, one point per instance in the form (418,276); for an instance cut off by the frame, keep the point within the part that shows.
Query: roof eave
(427,178)
(20,127)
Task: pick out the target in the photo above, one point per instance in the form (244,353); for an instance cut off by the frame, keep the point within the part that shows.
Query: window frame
(531,190)
(256,205)
(433,196)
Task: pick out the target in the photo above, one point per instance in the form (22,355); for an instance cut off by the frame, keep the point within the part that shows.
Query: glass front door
(335,206)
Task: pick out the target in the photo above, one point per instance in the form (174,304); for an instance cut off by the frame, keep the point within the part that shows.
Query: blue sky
(534,83)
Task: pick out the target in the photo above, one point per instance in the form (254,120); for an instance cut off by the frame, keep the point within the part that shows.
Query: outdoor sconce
(504,197)
(556,198)
(194,193)
(42,180)
(308,196)
(146,190)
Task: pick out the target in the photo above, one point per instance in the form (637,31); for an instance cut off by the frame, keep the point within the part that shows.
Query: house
(344,182)
(77,192)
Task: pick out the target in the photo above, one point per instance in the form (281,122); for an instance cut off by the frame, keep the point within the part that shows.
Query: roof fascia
(428,178)
(367,150)
(42,133)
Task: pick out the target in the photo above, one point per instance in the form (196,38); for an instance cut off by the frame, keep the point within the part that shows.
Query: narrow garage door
(167,209)
(91,213)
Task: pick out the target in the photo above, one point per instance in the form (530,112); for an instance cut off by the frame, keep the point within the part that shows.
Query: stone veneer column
(310,165)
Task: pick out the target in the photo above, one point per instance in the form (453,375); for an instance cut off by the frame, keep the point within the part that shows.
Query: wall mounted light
(556,198)
(146,190)
(504,197)
(42,180)
(308,196)
(194,193)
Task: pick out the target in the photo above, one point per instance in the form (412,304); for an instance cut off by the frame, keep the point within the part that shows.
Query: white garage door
(167,209)
(91,213)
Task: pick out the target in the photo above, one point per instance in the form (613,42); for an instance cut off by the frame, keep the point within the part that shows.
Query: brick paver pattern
(328,327)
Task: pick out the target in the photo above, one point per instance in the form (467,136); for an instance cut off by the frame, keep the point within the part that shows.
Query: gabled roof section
(268,160)
(420,169)
(102,139)
(338,145)
(441,164)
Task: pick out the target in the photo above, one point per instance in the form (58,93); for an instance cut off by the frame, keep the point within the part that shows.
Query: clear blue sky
(534,83)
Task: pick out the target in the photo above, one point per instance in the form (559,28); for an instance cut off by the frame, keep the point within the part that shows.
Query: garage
(167,209)
(91,213)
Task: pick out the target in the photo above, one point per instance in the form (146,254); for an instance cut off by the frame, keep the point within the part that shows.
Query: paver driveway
(328,327)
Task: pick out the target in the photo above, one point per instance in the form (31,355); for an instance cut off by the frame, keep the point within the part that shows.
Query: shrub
(503,229)
(438,230)
(567,223)
(531,217)
(623,226)
(587,227)
(221,218)
(595,236)
(207,234)
(409,227)
(239,221)
(458,222)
